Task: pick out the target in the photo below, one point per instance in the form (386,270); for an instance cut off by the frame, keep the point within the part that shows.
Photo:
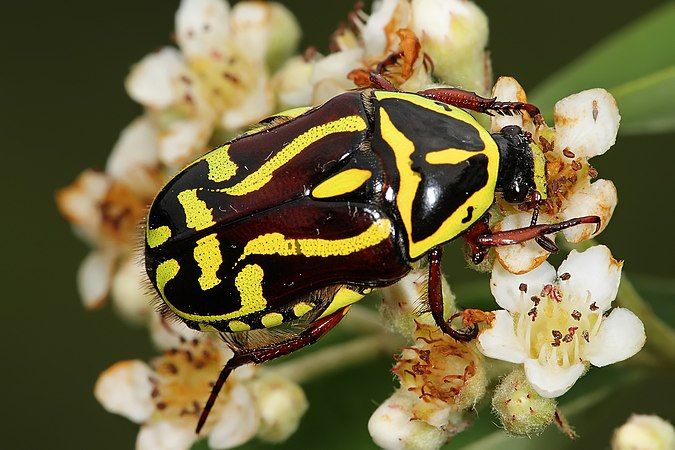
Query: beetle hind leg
(435,294)
(259,355)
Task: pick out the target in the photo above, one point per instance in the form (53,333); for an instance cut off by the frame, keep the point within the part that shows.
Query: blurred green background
(63,105)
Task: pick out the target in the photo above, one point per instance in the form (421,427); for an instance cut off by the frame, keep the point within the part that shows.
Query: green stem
(337,357)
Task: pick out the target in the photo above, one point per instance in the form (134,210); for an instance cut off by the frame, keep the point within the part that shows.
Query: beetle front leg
(480,238)
(259,355)
(474,102)
(435,294)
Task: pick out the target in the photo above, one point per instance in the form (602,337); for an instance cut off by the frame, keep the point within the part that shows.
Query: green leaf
(636,64)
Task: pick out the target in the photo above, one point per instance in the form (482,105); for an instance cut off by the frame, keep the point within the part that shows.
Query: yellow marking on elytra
(208,328)
(273,319)
(539,170)
(238,326)
(403,148)
(208,257)
(342,183)
(278,244)
(197,215)
(166,271)
(249,284)
(302,308)
(343,297)
(264,174)
(449,156)
(157,236)
(221,167)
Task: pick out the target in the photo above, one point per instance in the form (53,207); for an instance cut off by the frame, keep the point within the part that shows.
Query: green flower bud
(520,409)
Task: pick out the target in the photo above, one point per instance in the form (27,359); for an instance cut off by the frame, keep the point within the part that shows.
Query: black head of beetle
(521,165)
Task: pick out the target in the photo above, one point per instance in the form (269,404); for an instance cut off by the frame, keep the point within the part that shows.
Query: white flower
(556,324)
(167,398)
(586,125)
(644,432)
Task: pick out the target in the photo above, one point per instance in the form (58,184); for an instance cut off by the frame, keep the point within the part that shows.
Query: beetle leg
(435,294)
(480,238)
(474,102)
(259,355)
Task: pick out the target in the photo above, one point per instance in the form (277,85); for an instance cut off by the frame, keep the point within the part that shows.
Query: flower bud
(454,33)
(292,85)
(265,29)
(281,404)
(393,427)
(644,432)
(130,298)
(520,409)
(403,307)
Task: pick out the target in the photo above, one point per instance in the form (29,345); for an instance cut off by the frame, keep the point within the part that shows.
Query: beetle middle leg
(435,294)
(259,355)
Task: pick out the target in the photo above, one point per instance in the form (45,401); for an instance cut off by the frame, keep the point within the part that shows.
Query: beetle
(269,238)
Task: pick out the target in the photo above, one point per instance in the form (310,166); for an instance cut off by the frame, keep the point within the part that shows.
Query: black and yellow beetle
(289,224)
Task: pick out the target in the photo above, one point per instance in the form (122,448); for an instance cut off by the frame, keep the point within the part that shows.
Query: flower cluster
(167,396)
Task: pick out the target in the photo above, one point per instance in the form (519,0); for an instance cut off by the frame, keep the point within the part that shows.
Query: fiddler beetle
(286,226)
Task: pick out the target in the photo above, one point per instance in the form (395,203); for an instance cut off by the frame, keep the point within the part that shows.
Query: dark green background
(62,106)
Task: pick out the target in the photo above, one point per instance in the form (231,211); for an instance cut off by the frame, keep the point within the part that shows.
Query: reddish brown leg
(474,102)
(259,355)
(480,238)
(435,294)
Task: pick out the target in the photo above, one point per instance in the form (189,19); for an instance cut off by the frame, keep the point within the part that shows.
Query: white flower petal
(507,89)
(506,286)
(183,140)
(202,27)
(586,123)
(159,80)
(165,435)
(238,420)
(130,292)
(94,277)
(523,257)
(552,381)
(125,389)
(392,426)
(596,199)
(593,275)
(387,17)
(257,105)
(500,341)
(621,335)
(133,160)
